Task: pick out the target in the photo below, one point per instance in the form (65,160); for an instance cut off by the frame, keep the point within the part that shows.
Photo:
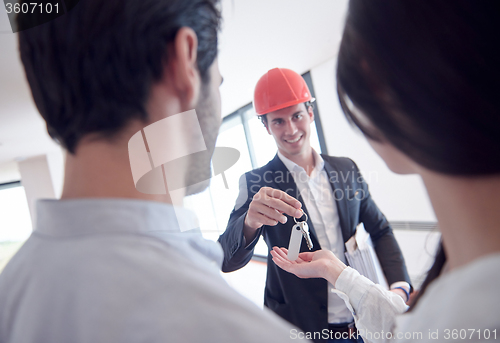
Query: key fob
(294,244)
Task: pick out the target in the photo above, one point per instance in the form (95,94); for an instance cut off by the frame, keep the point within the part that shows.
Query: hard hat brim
(285,105)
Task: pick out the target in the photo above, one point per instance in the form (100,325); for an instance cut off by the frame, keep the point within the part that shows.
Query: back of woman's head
(426,74)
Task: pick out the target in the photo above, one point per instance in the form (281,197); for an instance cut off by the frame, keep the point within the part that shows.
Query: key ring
(304,214)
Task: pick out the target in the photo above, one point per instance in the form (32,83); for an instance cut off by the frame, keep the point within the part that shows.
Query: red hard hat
(279,88)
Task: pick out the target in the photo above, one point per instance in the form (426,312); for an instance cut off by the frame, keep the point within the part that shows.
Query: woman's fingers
(286,265)
(308,264)
(280,258)
(303,256)
(285,250)
(307,256)
(281,252)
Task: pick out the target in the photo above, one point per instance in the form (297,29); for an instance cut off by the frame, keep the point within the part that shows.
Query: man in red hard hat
(330,190)
(108,262)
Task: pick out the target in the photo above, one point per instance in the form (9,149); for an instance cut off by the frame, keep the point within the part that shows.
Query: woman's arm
(373,307)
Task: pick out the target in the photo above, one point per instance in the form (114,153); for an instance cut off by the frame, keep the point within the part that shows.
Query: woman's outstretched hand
(315,264)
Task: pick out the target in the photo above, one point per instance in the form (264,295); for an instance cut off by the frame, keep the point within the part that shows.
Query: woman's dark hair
(432,274)
(91,70)
(425,77)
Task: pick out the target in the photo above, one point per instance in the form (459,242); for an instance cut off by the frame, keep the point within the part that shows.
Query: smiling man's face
(291,129)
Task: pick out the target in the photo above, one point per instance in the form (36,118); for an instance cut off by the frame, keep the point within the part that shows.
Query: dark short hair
(91,70)
(263,118)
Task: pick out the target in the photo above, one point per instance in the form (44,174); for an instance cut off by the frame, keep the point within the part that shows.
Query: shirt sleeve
(374,309)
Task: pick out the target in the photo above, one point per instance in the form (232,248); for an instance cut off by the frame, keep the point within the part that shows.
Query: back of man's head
(91,70)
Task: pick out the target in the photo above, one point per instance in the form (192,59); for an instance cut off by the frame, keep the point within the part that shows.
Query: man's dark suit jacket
(303,302)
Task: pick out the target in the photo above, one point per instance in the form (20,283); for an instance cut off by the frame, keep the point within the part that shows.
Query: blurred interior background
(256,35)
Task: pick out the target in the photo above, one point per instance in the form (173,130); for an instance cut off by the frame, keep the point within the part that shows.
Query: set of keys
(299,230)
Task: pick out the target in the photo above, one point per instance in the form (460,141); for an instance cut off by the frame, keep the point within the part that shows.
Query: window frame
(7,185)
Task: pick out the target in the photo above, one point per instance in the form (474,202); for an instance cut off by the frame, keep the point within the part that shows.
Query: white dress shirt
(317,193)
(118,270)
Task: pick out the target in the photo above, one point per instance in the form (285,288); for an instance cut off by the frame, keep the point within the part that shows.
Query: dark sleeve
(236,252)
(387,248)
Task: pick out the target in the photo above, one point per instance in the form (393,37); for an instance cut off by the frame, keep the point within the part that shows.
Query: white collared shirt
(317,193)
(122,270)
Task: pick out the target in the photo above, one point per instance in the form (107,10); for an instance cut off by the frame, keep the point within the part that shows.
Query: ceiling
(257,35)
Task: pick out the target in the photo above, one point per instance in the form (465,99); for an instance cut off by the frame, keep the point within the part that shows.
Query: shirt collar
(90,215)
(293,167)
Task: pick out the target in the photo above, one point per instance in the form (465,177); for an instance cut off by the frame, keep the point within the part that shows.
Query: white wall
(41,177)
(9,172)
(37,182)
(55,161)
(401,198)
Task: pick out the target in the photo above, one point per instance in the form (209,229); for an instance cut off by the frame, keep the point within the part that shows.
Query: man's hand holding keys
(268,207)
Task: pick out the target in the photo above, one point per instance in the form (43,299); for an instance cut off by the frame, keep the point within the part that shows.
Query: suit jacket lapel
(285,182)
(338,188)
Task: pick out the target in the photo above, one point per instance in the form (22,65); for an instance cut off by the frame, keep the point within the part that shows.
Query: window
(15,220)
(243,131)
